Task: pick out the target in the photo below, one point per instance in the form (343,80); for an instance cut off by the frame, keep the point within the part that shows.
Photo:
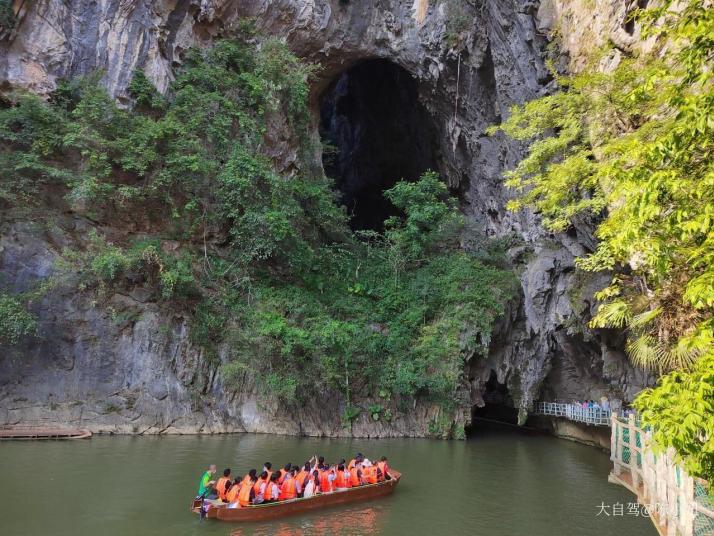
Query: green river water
(498,483)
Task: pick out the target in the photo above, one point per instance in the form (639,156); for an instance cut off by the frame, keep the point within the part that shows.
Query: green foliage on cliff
(277,286)
(634,147)
(7,15)
(680,410)
(15,320)
(395,312)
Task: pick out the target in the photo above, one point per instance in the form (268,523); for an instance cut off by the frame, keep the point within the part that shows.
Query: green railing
(680,504)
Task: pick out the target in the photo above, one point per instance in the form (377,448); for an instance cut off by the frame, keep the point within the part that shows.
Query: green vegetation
(633,147)
(279,289)
(459,21)
(7,15)
(680,412)
(15,320)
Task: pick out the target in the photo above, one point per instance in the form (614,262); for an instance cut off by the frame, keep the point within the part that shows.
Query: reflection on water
(498,483)
(347,520)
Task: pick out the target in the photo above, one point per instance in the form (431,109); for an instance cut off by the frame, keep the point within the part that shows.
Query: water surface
(498,483)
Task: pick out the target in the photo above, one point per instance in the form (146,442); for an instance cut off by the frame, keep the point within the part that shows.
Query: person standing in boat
(206,488)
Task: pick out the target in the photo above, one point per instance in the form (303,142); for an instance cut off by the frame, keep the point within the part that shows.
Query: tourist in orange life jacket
(354,461)
(342,478)
(233,491)
(327,476)
(271,493)
(221,487)
(283,472)
(356,475)
(372,472)
(259,487)
(268,468)
(303,475)
(369,472)
(246,495)
(250,477)
(290,487)
(383,467)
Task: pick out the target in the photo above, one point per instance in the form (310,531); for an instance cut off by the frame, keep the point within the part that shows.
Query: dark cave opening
(498,404)
(631,18)
(376,132)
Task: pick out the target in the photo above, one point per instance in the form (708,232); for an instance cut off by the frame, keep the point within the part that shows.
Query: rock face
(129,366)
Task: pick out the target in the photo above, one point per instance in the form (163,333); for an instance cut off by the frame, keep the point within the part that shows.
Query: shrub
(15,321)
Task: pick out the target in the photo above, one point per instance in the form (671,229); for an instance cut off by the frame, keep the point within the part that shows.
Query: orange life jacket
(234,493)
(246,480)
(370,474)
(354,477)
(382,467)
(342,479)
(325,484)
(352,463)
(221,487)
(256,486)
(244,494)
(288,490)
(270,491)
(302,477)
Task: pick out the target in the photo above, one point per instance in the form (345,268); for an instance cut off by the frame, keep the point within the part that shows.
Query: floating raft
(266,512)
(42,432)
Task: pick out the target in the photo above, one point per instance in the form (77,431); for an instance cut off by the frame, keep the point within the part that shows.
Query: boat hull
(266,512)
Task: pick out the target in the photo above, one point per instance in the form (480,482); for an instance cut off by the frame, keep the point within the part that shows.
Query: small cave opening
(631,17)
(498,404)
(375,132)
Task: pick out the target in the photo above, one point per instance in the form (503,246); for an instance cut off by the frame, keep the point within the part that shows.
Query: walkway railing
(574,412)
(679,504)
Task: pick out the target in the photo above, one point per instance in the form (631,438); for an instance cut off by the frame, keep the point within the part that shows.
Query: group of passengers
(292,482)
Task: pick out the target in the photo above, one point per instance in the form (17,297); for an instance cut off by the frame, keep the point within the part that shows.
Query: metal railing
(574,412)
(679,504)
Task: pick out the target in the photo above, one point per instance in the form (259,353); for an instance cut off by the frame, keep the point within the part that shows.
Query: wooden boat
(17,432)
(265,512)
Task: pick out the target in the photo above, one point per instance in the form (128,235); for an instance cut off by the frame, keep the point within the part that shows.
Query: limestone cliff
(130,367)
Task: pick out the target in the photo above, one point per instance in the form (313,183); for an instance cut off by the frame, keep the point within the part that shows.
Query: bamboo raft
(26,432)
(266,512)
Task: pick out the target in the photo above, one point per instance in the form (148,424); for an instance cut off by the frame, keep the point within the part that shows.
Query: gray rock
(128,355)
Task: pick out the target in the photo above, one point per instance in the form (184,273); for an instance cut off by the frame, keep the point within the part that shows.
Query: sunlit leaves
(633,147)
(680,411)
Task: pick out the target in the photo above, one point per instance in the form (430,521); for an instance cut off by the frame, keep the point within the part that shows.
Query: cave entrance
(376,132)
(498,405)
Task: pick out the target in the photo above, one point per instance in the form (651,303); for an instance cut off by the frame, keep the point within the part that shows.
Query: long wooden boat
(18,432)
(264,512)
